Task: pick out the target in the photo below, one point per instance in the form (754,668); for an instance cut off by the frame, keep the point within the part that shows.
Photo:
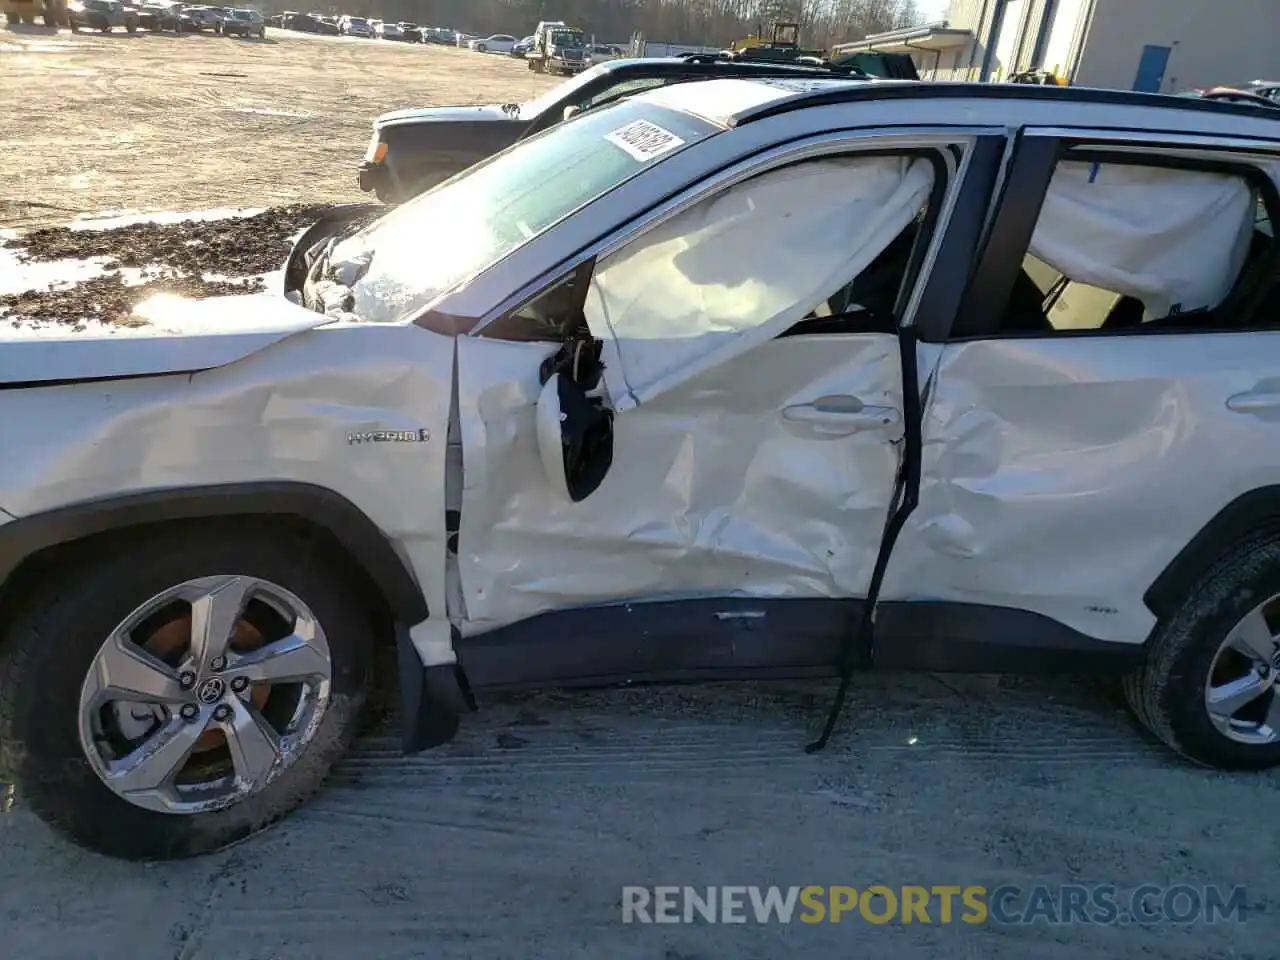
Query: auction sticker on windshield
(644,140)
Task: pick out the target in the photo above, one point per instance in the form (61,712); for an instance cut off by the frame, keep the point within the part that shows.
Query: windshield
(567,38)
(553,97)
(428,245)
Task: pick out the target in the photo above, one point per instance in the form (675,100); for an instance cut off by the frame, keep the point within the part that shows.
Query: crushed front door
(745,462)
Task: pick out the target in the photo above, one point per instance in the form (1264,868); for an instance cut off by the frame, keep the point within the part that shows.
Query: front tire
(138,777)
(1208,686)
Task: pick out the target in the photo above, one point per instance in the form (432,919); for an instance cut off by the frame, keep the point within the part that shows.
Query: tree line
(714,23)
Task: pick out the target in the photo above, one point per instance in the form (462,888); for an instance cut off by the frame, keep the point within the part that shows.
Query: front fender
(24,537)
(358,410)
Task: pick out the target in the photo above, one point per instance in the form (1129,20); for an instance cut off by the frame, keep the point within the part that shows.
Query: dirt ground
(515,840)
(92,123)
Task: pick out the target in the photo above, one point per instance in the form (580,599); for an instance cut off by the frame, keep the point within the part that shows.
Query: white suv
(733,379)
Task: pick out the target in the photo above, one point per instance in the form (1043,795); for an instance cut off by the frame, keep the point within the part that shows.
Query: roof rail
(915,90)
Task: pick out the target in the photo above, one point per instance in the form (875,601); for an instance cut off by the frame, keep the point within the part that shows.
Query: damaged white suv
(684,388)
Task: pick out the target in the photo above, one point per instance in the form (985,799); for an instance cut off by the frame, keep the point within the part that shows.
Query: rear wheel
(11,18)
(184,692)
(1208,688)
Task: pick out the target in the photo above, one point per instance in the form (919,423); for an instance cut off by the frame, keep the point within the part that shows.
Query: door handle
(841,415)
(1254,401)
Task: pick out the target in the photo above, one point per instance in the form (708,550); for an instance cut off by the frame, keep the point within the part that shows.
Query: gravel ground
(148,122)
(206,258)
(516,840)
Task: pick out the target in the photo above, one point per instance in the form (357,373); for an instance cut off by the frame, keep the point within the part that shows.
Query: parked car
(327,26)
(521,47)
(160,17)
(601,52)
(204,18)
(103,15)
(244,23)
(410,32)
(497,43)
(412,150)
(741,378)
(441,36)
(302,22)
(387,31)
(354,26)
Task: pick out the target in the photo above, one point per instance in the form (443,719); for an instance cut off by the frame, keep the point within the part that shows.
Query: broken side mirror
(343,218)
(574,433)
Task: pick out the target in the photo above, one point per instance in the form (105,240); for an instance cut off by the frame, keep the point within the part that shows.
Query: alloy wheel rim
(204,694)
(1240,694)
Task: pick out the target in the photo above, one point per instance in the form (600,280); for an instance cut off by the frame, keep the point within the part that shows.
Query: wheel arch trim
(25,536)
(1243,518)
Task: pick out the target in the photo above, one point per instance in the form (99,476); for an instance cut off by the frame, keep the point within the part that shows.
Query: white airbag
(1174,239)
(738,269)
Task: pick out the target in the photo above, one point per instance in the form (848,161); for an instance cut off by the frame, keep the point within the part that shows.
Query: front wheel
(171,697)
(1208,688)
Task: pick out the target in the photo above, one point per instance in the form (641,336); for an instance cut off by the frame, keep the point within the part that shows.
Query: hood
(180,336)
(488,112)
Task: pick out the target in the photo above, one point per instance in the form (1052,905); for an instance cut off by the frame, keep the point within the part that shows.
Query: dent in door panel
(710,492)
(1062,475)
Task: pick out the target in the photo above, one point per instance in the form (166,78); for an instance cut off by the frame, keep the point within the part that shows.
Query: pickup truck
(413,150)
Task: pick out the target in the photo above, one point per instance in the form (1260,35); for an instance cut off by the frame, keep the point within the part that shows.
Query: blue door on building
(1151,69)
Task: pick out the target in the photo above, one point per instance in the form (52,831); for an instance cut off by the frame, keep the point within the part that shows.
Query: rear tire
(1170,694)
(50,645)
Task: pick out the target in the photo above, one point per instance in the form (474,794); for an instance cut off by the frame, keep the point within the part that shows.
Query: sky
(931,10)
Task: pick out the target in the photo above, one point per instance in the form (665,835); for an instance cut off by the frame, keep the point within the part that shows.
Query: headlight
(377,150)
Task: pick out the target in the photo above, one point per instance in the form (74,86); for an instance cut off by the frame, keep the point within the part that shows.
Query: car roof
(733,101)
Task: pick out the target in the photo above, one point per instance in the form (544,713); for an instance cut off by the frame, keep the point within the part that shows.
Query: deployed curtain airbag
(1174,239)
(741,267)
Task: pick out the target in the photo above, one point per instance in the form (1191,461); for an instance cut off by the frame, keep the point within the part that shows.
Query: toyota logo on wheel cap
(211,690)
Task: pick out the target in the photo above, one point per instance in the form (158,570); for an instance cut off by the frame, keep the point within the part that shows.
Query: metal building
(1152,45)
